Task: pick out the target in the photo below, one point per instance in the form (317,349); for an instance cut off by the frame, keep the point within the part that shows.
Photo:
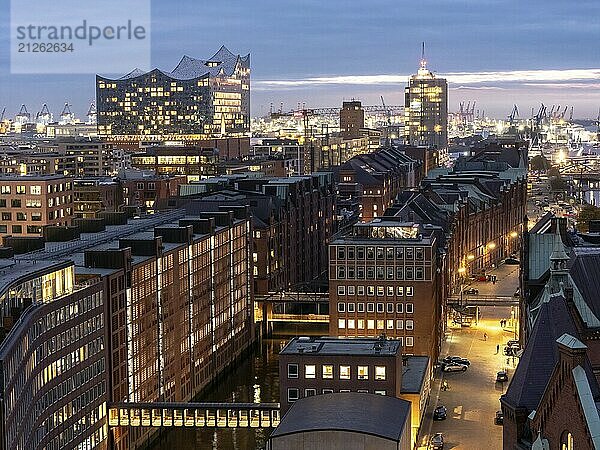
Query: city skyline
(336,51)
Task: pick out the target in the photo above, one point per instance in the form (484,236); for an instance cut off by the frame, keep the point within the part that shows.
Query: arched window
(566,441)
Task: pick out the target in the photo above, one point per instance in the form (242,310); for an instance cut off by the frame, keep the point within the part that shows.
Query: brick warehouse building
(385,278)
(175,303)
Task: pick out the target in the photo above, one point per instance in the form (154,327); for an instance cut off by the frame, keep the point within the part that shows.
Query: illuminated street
(472,396)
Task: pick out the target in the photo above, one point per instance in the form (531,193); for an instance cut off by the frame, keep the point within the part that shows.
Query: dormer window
(212,63)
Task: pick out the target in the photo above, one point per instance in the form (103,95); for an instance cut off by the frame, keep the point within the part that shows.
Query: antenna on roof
(423,62)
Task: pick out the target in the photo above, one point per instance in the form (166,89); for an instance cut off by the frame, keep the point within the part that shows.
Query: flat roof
(377,415)
(25,178)
(342,346)
(413,374)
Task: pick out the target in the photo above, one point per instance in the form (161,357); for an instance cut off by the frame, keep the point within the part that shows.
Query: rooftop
(335,346)
(377,415)
(413,374)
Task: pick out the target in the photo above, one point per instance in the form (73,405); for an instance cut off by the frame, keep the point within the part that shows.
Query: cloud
(461,78)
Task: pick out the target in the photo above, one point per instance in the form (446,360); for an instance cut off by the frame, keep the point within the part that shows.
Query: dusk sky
(323,51)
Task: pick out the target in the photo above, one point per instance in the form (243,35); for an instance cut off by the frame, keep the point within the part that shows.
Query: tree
(539,163)
(587,213)
(553,172)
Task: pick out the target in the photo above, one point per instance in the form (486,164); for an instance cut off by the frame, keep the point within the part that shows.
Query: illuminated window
(380,373)
(370,324)
(409,325)
(341,290)
(361,324)
(409,291)
(341,323)
(344,372)
(399,324)
(380,324)
(310,371)
(327,391)
(380,392)
(327,371)
(363,372)
(351,323)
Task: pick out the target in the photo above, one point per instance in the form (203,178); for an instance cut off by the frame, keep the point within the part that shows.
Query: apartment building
(28,203)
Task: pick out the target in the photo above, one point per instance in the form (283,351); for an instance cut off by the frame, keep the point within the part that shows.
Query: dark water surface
(255,379)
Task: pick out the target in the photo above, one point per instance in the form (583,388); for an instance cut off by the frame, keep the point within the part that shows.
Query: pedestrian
(485,336)
(497,348)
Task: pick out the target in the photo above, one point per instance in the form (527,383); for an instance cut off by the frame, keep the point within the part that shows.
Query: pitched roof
(585,272)
(541,353)
(377,415)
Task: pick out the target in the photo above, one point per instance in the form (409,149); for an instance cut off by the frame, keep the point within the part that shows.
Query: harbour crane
(23,116)
(571,115)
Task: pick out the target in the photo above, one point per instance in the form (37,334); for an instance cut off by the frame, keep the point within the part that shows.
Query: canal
(254,379)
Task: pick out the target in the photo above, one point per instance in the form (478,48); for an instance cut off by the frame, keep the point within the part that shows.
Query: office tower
(426,109)
(198,100)
(352,119)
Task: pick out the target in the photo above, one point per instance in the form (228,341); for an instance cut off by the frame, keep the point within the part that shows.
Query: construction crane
(389,123)
(2,115)
(571,115)
(513,115)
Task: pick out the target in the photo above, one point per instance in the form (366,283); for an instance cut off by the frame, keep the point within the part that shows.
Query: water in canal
(255,379)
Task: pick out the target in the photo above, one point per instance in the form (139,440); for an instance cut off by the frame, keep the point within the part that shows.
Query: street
(472,398)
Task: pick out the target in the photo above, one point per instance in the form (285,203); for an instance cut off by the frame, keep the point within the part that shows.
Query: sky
(321,52)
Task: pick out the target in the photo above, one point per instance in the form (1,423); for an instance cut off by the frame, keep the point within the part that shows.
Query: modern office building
(196,163)
(384,279)
(426,109)
(199,99)
(93,195)
(53,357)
(352,119)
(146,311)
(28,203)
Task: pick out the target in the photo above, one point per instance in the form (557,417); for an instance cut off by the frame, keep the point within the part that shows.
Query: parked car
(471,291)
(499,419)
(501,376)
(512,261)
(456,359)
(437,442)
(440,413)
(454,367)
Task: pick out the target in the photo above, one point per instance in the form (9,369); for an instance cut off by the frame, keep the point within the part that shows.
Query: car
(440,413)
(501,376)
(453,367)
(512,261)
(471,291)
(499,419)
(437,442)
(456,359)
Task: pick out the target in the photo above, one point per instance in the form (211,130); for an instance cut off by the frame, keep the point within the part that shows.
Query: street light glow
(513,234)
(470,256)
(462,270)
(492,245)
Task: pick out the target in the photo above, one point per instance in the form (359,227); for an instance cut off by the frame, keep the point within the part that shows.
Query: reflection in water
(255,379)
